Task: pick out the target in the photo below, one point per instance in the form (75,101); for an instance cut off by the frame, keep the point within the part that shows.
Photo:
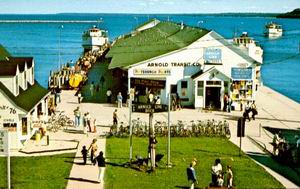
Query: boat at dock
(273,30)
(94,39)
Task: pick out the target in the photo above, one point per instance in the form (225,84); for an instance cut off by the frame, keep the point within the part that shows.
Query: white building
(198,64)
(21,98)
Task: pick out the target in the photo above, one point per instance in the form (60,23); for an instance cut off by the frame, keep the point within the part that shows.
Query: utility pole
(169,131)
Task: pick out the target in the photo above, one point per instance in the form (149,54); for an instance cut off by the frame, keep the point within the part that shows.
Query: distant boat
(94,38)
(273,30)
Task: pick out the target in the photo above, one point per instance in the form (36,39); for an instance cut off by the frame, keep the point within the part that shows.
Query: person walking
(79,97)
(88,121)
(120,100)
(84,153)
(77,115)
(93,147)
(253,110)
(225,102)
(92,88)
(229,177)
(229,103)
(191,175)
(246,112)
(101,165)
(115,117)
(108,95)
(178,102)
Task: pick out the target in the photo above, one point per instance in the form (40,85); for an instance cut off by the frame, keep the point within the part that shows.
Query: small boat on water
(273,30)
(94,39)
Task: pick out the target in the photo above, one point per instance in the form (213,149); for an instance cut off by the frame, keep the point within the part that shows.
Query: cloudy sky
(146,6)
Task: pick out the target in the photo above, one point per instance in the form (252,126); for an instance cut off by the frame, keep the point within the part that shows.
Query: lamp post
(59,45)
(137,20)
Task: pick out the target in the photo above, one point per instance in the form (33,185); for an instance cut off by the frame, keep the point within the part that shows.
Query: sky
(145,6)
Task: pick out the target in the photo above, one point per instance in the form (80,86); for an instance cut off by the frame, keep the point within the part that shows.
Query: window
(173,88)
(213,82)
(32,75)
(24,126)
(200,86)
(17,86)
(184,86)
(25,80)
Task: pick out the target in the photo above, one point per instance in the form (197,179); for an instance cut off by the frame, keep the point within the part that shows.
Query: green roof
(3,53)
(26,99)
(165,37)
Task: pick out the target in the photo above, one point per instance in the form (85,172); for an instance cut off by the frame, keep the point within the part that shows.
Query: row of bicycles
(210,128)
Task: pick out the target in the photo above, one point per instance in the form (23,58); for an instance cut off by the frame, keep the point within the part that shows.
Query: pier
(49,21)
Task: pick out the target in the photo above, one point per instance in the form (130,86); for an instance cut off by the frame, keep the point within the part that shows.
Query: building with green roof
(22,98)
(197,64)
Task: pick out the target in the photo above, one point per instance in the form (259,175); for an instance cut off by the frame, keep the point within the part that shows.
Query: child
(84,154)
(229,177)
(220,180)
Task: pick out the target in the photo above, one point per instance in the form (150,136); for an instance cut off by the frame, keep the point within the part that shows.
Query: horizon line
(140,13)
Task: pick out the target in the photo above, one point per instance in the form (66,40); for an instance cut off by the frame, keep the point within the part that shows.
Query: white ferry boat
(94,38)
(273,30)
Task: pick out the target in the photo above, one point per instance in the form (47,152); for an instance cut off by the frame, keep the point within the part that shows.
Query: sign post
(241,131)
(4,150)
(150,108)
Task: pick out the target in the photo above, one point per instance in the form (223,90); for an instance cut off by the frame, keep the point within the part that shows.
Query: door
(212,97)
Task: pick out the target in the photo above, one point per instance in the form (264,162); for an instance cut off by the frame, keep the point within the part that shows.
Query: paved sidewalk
(85,176)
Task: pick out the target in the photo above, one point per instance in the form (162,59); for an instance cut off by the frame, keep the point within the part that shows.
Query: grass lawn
(37,172)
(247,174)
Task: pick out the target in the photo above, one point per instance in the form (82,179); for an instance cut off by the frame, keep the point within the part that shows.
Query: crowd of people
(86,120)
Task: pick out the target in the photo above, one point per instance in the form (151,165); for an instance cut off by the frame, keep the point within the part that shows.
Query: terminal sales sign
(241,73)
(3,142)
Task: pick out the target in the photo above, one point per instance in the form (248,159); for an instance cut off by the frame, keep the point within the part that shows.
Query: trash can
(37,137)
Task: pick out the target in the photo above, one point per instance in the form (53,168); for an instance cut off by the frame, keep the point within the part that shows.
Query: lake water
(44,41)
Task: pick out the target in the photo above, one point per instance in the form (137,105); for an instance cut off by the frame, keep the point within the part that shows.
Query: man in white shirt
(108,95)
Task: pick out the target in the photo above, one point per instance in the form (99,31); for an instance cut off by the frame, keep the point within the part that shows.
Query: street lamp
(137,20)
(99,22)
(59,45)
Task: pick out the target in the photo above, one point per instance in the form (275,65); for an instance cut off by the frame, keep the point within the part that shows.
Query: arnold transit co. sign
(149,108)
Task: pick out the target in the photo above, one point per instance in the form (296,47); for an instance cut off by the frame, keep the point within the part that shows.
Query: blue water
(280,70)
